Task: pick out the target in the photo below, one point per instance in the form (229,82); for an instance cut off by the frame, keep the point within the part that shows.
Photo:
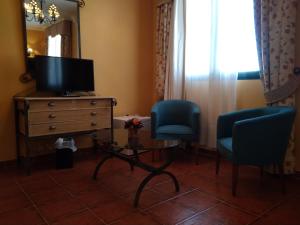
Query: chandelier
(35,12)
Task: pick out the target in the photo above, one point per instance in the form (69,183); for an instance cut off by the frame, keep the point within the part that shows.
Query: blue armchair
(256,137)
(175,120)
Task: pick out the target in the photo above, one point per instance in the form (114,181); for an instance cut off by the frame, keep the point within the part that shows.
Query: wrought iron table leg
(131,166)
(99,165)
(177,188)
(147,179)
(95,144)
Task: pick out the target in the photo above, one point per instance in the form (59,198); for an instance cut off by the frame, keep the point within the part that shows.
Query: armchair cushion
(175,129)
(224,145)
(175,132)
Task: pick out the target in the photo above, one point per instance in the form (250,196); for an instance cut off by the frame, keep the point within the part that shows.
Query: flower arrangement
(133,123)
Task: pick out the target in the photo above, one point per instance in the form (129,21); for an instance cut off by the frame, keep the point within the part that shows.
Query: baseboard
(297,174)
(209,152)
(40,159)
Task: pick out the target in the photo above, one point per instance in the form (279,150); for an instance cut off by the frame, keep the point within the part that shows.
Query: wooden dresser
(42,117)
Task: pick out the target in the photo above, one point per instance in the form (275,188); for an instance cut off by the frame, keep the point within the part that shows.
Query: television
(63,75)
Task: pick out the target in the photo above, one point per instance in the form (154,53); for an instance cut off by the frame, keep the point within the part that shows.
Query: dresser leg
(17,127)
(27,157)
(18,150)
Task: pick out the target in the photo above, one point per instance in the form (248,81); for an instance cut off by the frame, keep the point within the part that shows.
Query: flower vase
(133,137)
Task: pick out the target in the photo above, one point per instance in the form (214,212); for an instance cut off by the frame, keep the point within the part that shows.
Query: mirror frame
(26,77)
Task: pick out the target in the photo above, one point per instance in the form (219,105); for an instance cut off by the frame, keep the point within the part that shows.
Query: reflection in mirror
(52,28)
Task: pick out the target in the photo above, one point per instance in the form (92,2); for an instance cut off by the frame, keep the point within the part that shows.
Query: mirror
(51,27)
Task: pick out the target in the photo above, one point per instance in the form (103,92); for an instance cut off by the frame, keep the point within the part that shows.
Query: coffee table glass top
(144,141)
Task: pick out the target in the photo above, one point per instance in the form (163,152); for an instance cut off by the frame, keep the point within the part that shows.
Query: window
(222,33)
(54,45)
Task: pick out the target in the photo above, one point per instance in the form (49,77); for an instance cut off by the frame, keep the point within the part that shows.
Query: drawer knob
(52,116)
(52,127)
(93,124)
(51,104)
(93,113)
(93,102)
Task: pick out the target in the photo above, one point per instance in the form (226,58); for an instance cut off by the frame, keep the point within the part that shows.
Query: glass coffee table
(130,148)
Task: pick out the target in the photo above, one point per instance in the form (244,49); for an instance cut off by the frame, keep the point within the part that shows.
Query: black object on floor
(64,158)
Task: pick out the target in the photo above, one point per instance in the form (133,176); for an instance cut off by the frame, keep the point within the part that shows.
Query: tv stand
(77,94)
(53,117)
(70,94)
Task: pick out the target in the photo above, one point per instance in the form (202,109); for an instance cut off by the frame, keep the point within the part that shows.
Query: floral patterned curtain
(275,22)
(163,24)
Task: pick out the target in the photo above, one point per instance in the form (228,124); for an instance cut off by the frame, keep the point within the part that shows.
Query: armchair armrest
(154,120)
(226,121)
(195,118)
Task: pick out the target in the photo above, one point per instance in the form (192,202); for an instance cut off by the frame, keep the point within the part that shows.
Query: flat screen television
(63,75)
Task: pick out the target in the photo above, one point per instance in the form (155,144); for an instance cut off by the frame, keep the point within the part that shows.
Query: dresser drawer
(92,103)
(43,105)
(68,115)
(53,105)
(67,127)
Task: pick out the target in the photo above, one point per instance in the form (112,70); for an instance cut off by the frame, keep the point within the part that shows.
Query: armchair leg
(282,178)
(218,156)
(235,174)
(152,153)
(160,154)
(197,155)
(261,174)
(261,171)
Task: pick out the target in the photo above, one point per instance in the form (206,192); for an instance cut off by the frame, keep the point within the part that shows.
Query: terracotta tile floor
(71,197)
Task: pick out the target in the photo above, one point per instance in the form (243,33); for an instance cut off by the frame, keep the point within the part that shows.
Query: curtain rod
(161,2)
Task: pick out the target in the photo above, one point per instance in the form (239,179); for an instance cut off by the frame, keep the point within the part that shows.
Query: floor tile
(81,185)
(286,214)
(38,185)
(8,190)
(194,181)
(25,216)
(18,201)
(147,198)
(196,200)
(255,203)
(92,198)
(137,173)
(112,211)
(112,165)
(136,219)
(121,185)
(65,176)
(168,188)
(54,194)
(83,218)
(36,176)
(170,213)
(255,200)
(220,214)
(158,180)
(54,210)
